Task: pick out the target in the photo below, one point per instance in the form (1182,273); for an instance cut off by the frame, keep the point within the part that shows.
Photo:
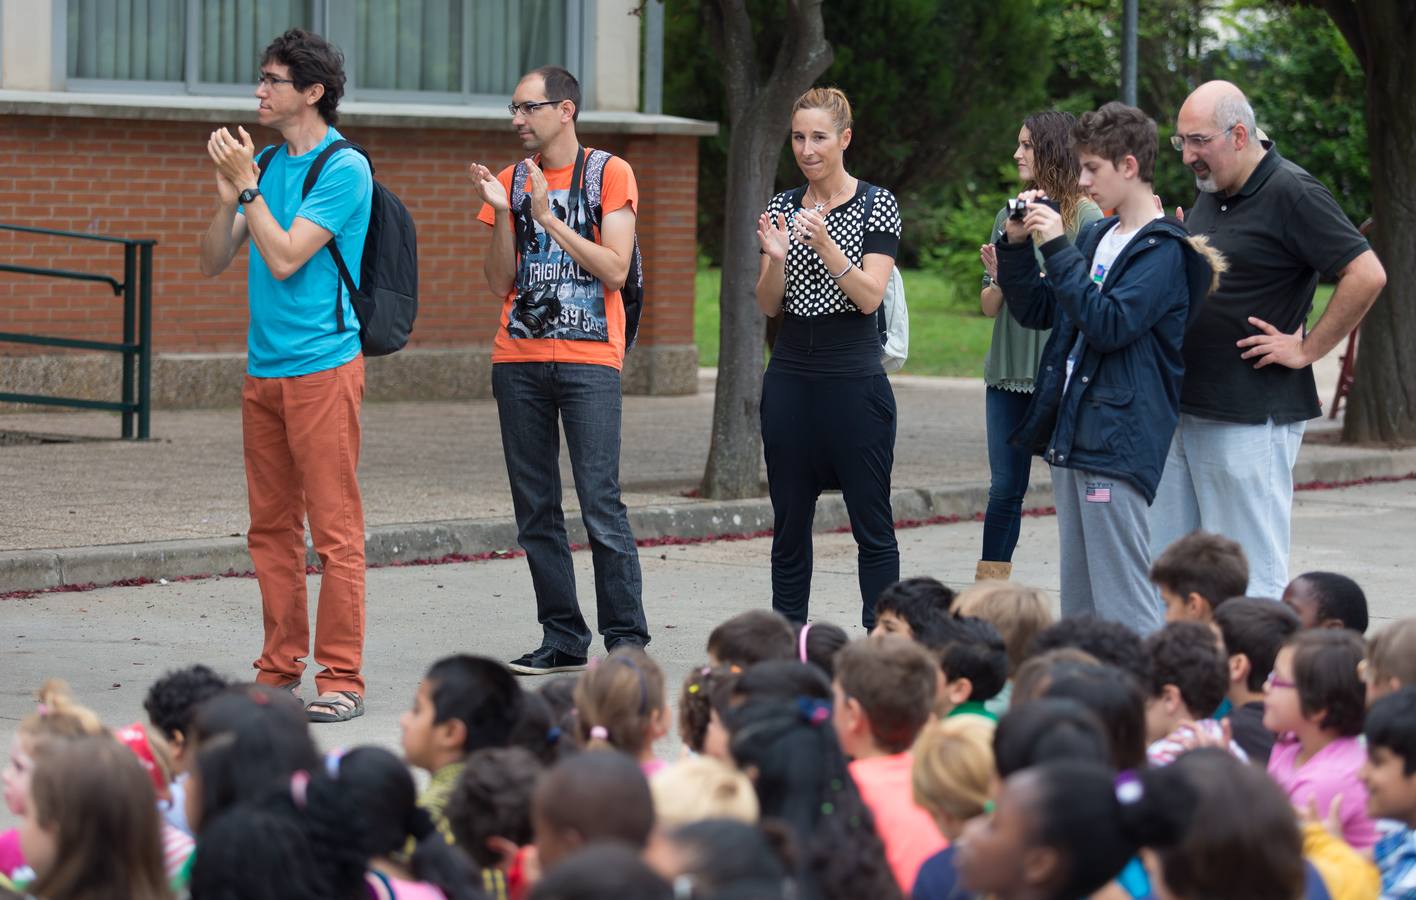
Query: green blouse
(1013,354)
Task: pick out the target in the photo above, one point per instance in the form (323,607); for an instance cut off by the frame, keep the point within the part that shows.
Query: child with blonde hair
(953,777)
(699,788)
(620,703)
(1391,660)
(56,715)
(1018,612)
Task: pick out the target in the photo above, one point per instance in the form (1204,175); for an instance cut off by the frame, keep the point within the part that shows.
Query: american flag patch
(1098,493)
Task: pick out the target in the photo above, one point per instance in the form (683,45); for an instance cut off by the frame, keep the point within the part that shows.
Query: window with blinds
(429,50)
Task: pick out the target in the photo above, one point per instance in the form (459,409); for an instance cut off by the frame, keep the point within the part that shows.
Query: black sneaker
(547,661)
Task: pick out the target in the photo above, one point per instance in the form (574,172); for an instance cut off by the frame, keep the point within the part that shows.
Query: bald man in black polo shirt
(1249,389)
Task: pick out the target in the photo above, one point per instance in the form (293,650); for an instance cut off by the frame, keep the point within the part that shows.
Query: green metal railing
(136,346)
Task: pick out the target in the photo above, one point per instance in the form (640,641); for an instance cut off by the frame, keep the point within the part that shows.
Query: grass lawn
(948,334)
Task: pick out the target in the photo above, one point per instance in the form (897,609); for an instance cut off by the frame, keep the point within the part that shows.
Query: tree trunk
(1382,406)
(758,122)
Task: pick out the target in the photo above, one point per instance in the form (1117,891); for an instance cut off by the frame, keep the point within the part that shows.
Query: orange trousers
(301,441)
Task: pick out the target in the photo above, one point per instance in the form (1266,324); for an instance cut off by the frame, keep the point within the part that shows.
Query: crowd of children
(969,746)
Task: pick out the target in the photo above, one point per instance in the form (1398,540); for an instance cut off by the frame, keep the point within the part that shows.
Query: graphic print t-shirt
(590,325)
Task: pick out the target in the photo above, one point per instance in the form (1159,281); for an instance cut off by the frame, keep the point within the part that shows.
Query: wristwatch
(248,195)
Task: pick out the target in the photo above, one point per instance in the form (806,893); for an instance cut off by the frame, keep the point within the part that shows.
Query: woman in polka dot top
(828,414)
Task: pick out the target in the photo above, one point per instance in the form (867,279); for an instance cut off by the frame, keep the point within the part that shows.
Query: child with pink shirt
(884,694)
(1315,701)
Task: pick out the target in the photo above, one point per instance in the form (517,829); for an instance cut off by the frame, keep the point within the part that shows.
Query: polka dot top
(811,291)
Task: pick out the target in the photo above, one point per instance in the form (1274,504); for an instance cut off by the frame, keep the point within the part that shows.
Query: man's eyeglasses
(529,106)
(271,81)
(1197,141)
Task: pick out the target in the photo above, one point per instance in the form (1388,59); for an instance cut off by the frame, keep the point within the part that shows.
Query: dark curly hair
(1110,642)
(492,798)
(1187,655)
(311,60)
(1055,166)
(172,700)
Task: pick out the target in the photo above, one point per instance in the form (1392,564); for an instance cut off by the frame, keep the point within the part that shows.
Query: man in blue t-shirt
(305,372)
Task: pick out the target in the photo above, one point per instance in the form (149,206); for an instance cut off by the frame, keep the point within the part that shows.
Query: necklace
(821,207)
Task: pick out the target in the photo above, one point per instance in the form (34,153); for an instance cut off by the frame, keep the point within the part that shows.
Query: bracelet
(841,274)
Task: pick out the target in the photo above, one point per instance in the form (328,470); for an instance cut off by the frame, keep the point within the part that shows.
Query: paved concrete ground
(101,511)
(112,643)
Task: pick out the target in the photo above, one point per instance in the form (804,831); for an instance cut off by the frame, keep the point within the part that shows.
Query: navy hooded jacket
(1119,412)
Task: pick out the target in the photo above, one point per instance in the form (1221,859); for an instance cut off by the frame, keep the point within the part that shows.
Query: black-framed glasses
(1178,141)
(530,106)
(270,81)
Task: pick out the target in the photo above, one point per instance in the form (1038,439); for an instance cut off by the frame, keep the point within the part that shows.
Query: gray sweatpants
(1103,528)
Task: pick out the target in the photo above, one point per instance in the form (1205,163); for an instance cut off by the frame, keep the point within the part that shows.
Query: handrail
(136,346)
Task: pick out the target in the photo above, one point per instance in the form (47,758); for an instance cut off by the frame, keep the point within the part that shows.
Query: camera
(1017,209)
(536,307)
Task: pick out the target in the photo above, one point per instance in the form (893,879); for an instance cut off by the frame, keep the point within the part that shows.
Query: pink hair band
(801,641)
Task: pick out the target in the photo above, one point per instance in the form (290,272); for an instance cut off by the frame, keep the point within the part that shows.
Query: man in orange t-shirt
(559,264)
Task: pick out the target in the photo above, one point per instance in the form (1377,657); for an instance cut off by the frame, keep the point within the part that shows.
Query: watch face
(248,195)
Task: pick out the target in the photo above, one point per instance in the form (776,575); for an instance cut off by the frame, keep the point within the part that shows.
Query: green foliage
(1309,95)
(924,81)
(948,334)
(952,233)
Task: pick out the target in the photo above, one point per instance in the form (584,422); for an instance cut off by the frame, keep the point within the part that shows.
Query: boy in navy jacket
(1107,392)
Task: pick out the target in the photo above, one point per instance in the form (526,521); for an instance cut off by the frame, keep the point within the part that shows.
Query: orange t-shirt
(575,320)
(908,833)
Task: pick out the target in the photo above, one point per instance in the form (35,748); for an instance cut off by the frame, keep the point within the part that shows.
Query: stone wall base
(210,380)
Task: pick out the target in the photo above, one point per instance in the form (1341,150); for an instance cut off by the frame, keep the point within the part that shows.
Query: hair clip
(299,787)
(801,641)
(599,733)
(827,808)
(694,688)
(706,671)
(553,736)
(332,759)
(814,712)
(1128,787)
(41,709)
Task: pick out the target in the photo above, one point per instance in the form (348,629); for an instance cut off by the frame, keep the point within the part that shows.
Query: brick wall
(152,179)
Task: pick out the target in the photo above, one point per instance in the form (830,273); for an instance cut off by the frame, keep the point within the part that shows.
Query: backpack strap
(380,888)
(595,164)
(313,176)
(881,325)
(263,163)
(577,186)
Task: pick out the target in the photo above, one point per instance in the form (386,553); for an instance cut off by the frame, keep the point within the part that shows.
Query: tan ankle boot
(989,570)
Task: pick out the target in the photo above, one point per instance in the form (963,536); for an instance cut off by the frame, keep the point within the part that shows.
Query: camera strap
(577,187)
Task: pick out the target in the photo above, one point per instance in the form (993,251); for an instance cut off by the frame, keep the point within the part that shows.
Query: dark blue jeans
(1009,468)
(533,399)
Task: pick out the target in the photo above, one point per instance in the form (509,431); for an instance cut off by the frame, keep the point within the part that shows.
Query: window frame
(342,31)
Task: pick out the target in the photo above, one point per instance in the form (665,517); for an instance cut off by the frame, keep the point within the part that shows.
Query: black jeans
(532,400)
(828,421)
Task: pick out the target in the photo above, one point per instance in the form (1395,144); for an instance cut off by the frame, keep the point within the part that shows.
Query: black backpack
(588,175)
(386,303)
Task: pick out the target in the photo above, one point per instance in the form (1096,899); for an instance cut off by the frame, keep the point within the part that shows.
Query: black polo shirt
(1279,232)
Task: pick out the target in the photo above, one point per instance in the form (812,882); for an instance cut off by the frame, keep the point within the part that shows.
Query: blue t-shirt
(293,329)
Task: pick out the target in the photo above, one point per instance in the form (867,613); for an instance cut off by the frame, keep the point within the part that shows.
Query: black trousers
(828,421)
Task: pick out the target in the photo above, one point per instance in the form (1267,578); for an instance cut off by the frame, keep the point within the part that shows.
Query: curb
(86,567)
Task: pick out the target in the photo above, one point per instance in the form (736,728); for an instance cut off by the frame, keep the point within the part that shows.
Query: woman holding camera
(1046,162)
(828,413)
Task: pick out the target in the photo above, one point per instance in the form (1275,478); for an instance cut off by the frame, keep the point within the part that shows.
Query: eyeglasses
(271,81)
(529,106)
(1179,141)
(1273,681)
